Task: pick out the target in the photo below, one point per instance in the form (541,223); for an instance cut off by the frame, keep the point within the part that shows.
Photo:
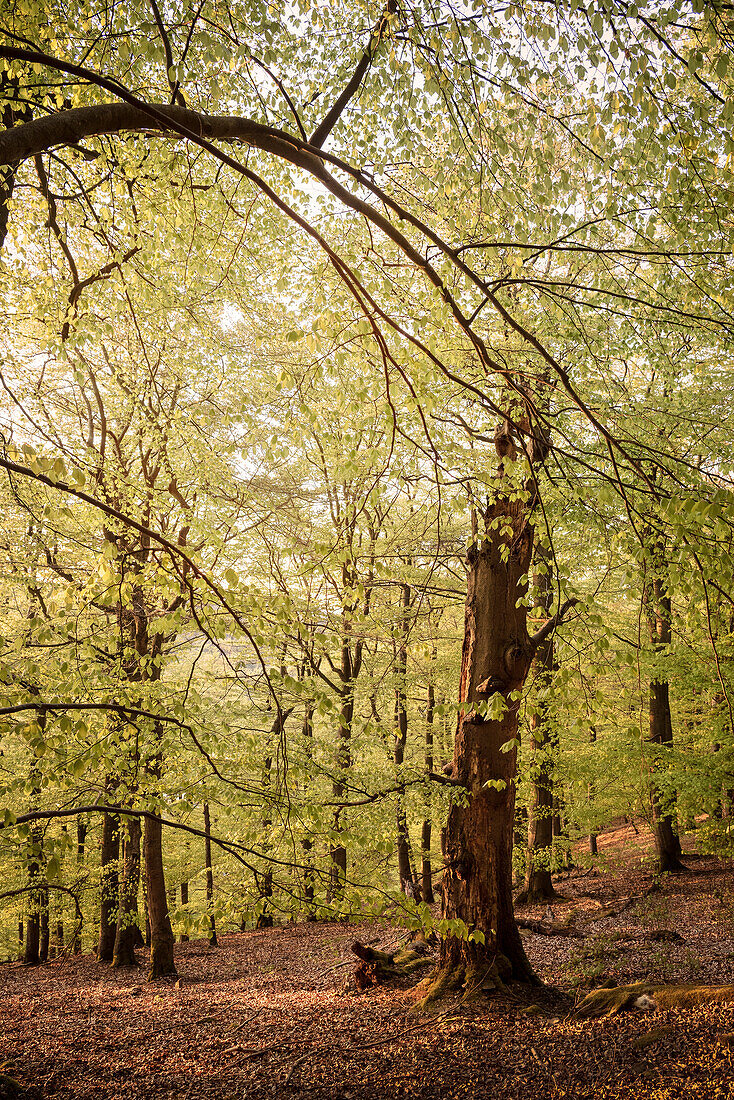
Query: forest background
(302,301)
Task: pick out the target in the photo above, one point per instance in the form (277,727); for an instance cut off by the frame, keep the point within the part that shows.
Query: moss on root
(647,996)
(469,981)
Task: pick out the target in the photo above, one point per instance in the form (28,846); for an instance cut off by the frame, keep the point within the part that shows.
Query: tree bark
(593,847)
(477,840)
(31,954)
(109,884)
(128,932)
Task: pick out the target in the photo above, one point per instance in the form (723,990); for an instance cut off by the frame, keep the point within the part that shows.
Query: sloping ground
(271,1013)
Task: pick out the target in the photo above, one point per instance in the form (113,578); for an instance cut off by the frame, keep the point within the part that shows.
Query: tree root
(646,996)
(468,981)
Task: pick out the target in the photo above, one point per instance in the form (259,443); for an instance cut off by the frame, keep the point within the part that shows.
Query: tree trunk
(264,879)
(667,842)
(109,883)
(338,851)
(184,937)
(209,876)
(408,880)
(44,942)
(426,829)
(127,931)
(82,826)
(307,840)
(161,933)
(538,884)
(477,840)
(31,954)
(593,847)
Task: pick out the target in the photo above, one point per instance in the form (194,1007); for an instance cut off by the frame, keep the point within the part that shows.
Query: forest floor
(273,1013)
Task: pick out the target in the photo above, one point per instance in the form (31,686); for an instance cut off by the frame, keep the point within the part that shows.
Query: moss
(646,995)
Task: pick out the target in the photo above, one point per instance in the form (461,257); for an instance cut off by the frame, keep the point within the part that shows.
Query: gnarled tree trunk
(477,840)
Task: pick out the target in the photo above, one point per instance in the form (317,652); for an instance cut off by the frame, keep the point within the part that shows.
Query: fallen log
(648,997)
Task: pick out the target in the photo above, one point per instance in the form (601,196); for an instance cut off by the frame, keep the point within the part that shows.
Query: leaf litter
(274,1013)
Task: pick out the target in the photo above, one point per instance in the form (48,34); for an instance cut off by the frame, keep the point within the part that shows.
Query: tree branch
(325,127)
(552,624)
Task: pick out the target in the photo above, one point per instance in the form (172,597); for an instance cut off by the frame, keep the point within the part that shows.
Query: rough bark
(109,885)
(477,840)
(127,932)
(209,876)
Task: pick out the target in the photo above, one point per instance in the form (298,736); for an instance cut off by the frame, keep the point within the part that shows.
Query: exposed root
(469,981)
(647,997)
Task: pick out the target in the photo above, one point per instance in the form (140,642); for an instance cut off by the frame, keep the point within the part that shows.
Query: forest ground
(274,1013)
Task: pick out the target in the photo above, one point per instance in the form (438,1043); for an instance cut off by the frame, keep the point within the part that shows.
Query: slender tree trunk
(127,932)
(161,933)
(306,840)
(338,850)
(31,954)
(183,938)
(82,827)
(593,847)
(109,885)
(265,878)
(538,884)
(477,840)
(426,873)
(44,942)
(667,842)
(209,876)
(408,880)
